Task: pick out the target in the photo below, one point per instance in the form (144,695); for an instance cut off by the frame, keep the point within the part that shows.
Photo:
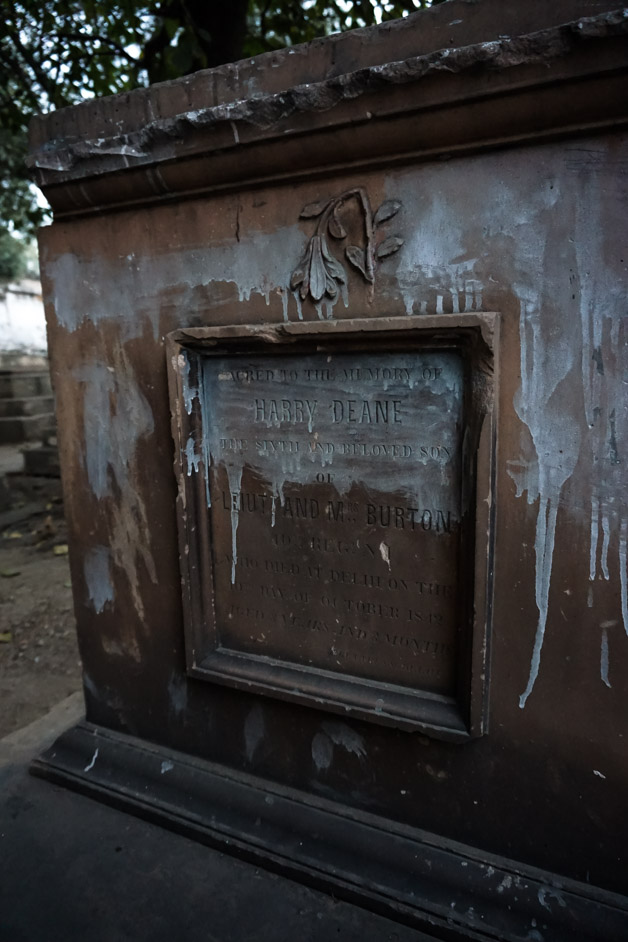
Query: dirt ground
(39,660)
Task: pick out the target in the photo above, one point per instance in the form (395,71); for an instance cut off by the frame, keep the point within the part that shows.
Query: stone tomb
(368,295)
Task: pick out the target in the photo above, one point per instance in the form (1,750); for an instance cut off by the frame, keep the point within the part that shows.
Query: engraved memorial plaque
(331,543)
(335,496)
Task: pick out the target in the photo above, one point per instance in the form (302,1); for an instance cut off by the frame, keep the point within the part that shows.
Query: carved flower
(318,272)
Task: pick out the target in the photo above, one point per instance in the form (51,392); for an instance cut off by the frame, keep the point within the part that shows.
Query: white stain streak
(190,393)
(322,751)
(97,571)
(544,549)
(284,303)
(595,511)
(166,766)
(604,658)
(235,485)
(552,433)
(117,417)
(256,265)
(606,530)
(346,737)
(546,893)
(192,459)
(623,575)
(253,732)
(90,765)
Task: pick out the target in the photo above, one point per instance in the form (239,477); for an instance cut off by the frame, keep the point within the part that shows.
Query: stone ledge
(410,875)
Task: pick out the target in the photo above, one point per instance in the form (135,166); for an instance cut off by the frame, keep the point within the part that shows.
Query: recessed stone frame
(335,513)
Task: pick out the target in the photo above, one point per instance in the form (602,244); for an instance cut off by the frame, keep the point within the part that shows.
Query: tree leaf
(357,257)
(386,211)
(312,210)
(336,228)
(389,246)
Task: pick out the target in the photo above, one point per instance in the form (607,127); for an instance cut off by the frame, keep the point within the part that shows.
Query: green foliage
(12,257)
(58,52)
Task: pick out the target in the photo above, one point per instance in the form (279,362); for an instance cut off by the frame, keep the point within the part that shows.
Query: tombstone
(368,297)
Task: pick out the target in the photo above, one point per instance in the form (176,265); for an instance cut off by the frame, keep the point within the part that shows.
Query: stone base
(448,889)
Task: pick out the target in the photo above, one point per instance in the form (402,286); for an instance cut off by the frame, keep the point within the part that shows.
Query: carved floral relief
(320,273)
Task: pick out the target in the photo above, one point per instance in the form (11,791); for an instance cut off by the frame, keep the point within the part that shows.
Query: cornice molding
(195,150)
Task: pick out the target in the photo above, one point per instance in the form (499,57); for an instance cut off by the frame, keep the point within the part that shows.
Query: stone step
(42,461)
(21,385)
(33,405)
(25,428)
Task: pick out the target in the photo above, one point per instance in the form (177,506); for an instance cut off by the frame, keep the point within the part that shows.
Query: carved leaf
(389,246)
(312,210)
(357,257)
(333,266)
(318,275)
(297,277)
(331,288)
(387,210)
(336,228)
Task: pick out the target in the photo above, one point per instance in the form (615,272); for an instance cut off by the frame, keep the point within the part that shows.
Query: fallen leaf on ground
(61,550)
(16,535)
(5,637)
(9,573)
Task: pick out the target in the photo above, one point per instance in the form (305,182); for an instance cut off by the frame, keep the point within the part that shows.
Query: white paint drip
(553,261)
(552,432)
(116,418)
(546,893)
(192,458)
(97,571)
(505,884)
(256,265)
(606,530)
(604,659)
(178,694)
(347,738)
(90,765)
(603,366)
(595,510)
(253,731)
(544,550)
(235,485)
(190,393)
(623,575)
(322,751)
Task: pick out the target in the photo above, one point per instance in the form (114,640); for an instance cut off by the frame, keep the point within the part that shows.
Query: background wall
(22,321)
